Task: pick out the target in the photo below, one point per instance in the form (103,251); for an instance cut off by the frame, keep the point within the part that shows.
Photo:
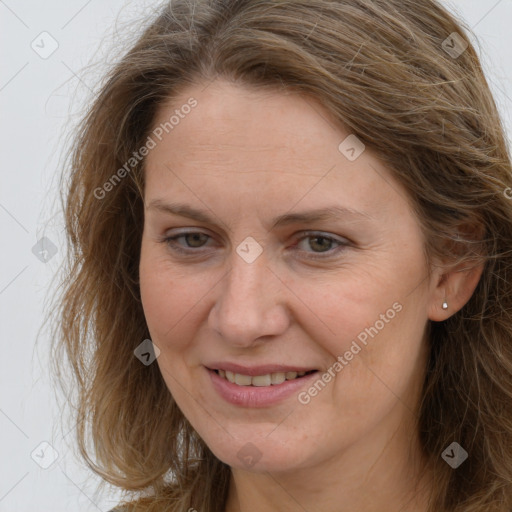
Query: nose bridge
(248,305)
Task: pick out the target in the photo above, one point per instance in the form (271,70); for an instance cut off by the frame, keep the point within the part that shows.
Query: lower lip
(258,396)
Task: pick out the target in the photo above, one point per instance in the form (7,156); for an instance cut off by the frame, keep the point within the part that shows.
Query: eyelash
(170,241)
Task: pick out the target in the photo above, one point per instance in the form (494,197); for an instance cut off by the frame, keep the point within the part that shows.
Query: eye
(323,242)
(194,237)
(318,240)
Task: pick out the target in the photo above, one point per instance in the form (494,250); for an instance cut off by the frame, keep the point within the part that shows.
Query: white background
(40,100)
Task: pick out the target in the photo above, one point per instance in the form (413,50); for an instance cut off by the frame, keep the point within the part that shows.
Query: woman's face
(265,281)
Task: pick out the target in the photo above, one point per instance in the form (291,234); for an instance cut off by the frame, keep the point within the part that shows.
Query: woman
(225,360)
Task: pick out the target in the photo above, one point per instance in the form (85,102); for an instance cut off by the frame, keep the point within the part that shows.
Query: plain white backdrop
(46,48)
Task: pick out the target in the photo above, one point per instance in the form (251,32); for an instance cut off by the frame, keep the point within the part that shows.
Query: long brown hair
(384,69)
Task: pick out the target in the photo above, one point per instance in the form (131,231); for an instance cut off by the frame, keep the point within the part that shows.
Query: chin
(260,454)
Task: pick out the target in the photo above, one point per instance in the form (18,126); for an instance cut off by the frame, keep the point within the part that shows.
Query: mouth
(258,386)
(268,379)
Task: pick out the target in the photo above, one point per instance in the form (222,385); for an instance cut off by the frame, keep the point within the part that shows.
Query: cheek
(342,306)
(155,300)
(388,365)
(171,301)
(160,294)
(163,306)
(370,318)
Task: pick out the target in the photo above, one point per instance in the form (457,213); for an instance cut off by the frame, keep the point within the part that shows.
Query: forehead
(229,118)
(240,140)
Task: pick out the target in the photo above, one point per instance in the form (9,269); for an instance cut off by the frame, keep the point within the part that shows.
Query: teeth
(277,378)
(259,380)
(242,380)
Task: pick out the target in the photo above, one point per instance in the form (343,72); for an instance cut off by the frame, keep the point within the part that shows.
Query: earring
(445,305)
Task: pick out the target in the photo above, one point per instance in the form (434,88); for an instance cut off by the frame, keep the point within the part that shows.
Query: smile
(263,390)
(269,379)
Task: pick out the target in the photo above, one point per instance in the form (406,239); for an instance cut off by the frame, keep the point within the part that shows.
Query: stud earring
(445,305)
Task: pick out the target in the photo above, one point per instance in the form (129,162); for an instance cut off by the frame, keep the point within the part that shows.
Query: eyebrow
(307,217)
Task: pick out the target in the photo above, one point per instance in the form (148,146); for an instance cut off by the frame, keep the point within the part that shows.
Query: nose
(251,303)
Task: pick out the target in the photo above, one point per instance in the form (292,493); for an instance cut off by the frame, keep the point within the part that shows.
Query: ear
(455,287)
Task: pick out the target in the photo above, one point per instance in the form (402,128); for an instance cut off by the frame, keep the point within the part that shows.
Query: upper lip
(257,370)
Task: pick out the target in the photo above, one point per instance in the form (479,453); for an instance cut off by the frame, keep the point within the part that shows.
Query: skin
(248,156)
